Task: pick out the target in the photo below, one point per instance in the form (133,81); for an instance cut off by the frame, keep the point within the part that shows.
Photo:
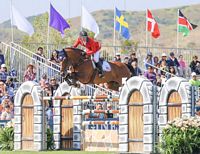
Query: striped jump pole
(100,123)
(97,98)
(100,111)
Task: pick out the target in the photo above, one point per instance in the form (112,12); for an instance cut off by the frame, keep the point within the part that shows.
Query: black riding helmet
(83,33)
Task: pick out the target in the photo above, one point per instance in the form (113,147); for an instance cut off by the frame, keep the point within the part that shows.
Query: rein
(80,62)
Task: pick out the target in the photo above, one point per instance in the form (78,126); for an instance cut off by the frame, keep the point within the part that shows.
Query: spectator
(2,59)
(172,72)
(49,115)
(148,60)
(39,56)
(9,82)
(150,74)
(132,58)
(135,70)
(197,107)
(9,92)
(182,70)
(98,115)
(194,81)
(109,108)
(117,57)
(2,90)
(163,67)
(158,81)
(194,65)
(157,69)
(47,89)
(197,70)
(6,114)
(163,58)
(3,73)
(13,73)
(172,61)
(54,57)
(43,81)
(98,90)
(29,74)
(53,86)
(155,60)
(127,63)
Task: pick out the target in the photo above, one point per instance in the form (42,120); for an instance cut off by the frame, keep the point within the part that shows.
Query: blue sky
(72,8)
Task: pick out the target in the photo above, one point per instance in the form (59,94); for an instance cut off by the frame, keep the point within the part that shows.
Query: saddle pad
(106,66)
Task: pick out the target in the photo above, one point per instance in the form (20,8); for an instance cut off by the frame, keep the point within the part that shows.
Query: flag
(21,22)
(121,24)
(184,25)
(152,25)
(57,21)
(89,22)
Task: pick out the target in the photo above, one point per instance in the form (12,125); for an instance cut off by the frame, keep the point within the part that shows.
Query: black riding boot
(100,69)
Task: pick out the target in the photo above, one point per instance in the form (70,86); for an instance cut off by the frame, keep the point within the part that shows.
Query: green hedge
(181,136)
(7,138)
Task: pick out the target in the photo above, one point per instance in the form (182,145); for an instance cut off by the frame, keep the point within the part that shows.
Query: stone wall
(39,118)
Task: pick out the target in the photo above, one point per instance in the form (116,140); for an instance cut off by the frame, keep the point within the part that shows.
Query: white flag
(89,22)
(21,22)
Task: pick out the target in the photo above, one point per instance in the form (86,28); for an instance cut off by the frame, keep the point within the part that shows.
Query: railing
(32,54)
(108,52)
(98,90)
(19,58)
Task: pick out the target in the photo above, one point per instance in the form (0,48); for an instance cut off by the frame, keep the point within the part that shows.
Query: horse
(83,70)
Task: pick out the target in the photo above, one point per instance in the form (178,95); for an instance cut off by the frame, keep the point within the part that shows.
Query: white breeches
(96,56)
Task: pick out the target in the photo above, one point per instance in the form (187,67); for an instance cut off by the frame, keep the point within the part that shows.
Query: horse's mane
(74,49)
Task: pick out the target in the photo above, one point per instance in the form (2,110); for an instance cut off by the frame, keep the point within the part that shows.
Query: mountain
(166,18)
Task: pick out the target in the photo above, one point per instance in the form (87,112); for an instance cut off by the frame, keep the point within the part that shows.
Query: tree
(40,24)
(129,46)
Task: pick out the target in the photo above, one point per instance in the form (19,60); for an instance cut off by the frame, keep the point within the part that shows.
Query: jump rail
(100,111)
(105,97)
(100,123)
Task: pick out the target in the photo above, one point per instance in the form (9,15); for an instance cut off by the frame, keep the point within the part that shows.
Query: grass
(55,152)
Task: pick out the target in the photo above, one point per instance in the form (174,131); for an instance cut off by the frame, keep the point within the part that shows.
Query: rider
(92,48)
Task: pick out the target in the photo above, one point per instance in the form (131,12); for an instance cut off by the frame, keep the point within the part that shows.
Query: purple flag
(57,21)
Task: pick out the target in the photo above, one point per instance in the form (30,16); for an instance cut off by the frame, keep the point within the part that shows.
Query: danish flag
(152,25)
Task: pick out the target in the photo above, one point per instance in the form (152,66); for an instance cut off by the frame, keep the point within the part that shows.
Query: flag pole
(124,5)
(114,36)
(146,30)
(177,41)
(81,14)
(48,27)
(69,8)
(150,41)
(11,21)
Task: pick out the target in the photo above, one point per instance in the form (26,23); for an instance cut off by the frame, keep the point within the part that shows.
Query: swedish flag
(121,24)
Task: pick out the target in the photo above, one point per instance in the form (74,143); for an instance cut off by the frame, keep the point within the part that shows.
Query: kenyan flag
(184,25)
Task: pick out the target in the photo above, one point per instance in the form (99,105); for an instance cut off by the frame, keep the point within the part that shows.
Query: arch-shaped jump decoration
(30,131)
(74,111)
(174,97)
(142,89)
